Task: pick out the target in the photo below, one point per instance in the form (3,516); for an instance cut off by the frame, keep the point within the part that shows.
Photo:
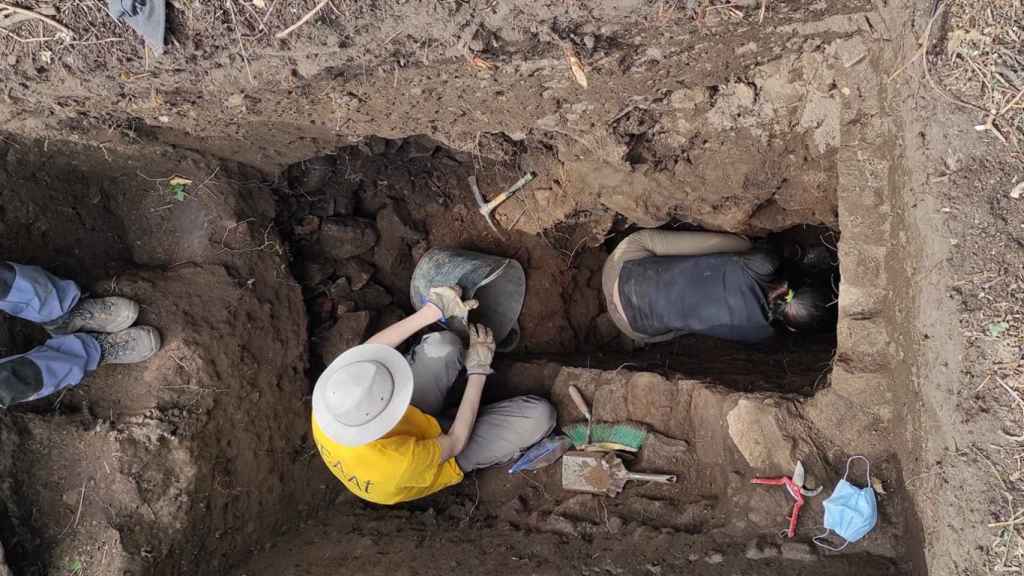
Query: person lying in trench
(84,333)
(659,284)
(377,415)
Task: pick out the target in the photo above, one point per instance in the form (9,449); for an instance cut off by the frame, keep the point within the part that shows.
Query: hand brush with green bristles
(606,436)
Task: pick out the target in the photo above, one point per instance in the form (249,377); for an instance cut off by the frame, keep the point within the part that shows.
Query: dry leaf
(877,485)
(261,4)
(1017,191)
(576,67)
(481,63)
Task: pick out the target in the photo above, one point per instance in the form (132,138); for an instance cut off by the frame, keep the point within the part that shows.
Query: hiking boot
(111,314)
(128,346)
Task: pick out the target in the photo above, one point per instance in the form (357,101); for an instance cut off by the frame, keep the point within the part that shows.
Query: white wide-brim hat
(362,394)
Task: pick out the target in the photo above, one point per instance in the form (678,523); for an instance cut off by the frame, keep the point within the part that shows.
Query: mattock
(486,208)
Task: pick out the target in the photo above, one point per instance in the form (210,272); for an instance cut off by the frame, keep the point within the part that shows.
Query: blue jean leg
(62,362)
(31,293)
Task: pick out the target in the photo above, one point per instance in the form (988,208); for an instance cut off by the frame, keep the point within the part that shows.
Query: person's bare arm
(398,332)
(689,242)
(454,442)
(478,366)
(444,302)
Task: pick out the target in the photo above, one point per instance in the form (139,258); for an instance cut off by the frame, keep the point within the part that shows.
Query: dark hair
(809,309)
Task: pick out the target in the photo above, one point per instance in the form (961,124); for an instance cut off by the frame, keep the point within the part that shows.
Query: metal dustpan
(602,474)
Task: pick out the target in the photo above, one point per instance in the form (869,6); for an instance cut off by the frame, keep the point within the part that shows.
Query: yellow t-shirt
(399,467)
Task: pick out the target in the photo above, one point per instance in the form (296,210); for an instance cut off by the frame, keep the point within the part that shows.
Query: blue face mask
(850,512)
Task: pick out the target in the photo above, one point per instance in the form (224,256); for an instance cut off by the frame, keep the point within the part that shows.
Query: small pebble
(715,558)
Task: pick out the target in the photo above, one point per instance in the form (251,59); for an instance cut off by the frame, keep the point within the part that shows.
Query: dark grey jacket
(722,295)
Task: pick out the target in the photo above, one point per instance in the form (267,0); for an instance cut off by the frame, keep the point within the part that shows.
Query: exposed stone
(372,297)
(615,524)
(345,237)
(663,453)
(579,506)
(343,196)
(714,558)
(357,271)
(309,176)
(560,525)
(864,345)
(418,147)
(388,316)
(689,98)
(348,331)
(610,402)
(391,223)
(323,205)
(861,303)
(799,551)
(754,429)
(340,289)
(315,271)
(307,227)
(651,398)
(375,144)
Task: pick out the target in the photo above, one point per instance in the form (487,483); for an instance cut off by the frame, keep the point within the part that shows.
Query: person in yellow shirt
(376,413)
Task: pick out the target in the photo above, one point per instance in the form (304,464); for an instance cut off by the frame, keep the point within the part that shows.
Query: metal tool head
(485,208)
(799,474)
(799,477)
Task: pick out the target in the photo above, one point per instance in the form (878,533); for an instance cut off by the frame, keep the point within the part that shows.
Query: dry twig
(302,20)
(241,47)
(78,514)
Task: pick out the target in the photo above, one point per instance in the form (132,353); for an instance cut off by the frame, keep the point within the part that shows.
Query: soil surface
(321,166)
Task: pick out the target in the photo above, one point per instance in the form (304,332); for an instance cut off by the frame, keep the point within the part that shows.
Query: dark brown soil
(154,462)
(366,122)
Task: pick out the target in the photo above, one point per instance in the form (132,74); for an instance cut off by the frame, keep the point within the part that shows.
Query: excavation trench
(201,461)
(206,449)
(358,220)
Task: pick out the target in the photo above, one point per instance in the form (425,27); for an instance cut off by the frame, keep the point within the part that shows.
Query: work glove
(480,351)
(448,299)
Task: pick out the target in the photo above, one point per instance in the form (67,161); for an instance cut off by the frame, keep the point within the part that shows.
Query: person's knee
(540,416)
(442,345)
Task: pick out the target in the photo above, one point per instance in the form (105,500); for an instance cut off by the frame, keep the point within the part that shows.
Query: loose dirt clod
(345,237)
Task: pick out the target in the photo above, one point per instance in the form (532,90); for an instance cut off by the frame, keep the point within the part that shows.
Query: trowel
(602,474)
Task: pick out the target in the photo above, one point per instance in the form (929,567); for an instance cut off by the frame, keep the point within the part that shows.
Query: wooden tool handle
(577,399)
(662,478)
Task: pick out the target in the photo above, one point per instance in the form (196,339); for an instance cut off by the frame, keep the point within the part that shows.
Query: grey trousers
(502,430)
(645,243)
